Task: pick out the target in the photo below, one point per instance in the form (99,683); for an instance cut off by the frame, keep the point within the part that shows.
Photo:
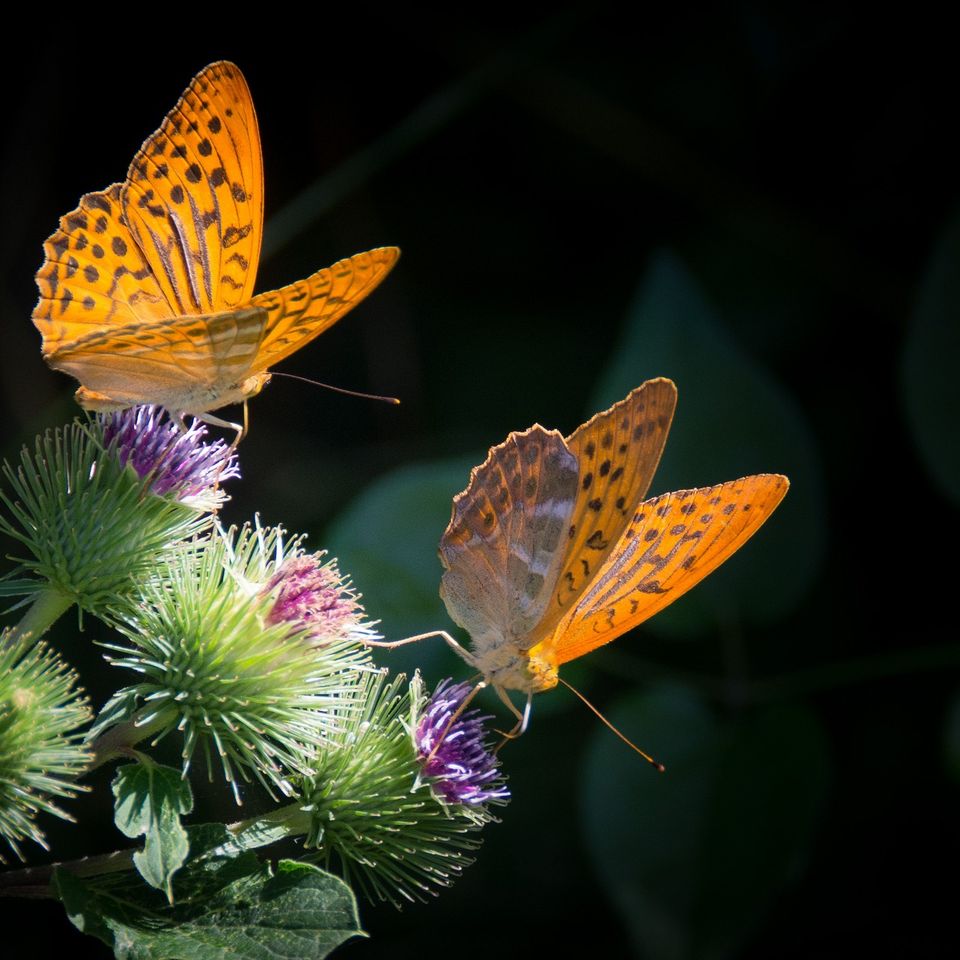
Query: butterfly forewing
(505,541)
(671,544)
(194,195)
(301,311)
(94,275)
(181,236)
(172,359)
(618,452)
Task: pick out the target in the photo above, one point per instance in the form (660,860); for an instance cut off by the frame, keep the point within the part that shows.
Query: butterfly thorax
(512,668)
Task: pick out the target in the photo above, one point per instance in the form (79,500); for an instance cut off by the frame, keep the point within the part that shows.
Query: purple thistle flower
(467,771)
(179,462)
(316,597)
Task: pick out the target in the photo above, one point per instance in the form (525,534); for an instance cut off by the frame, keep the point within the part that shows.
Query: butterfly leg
(217,422)
(239,428)
(456,647)
(519,728)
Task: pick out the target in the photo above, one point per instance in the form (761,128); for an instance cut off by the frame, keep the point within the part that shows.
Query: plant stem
(119,741)
(804,682)
(261,831)
(47,607)
(34,882)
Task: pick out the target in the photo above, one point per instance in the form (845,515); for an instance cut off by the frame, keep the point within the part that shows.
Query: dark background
(759,203)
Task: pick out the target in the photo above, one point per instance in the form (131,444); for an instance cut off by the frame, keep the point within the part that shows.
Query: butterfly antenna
(330,386)
(646,756)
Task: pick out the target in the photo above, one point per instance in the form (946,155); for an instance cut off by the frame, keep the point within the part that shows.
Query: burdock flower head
(175,460)
(452,748)
(97,505)
(42,754)
(369,807)
(215,664)
(316,597)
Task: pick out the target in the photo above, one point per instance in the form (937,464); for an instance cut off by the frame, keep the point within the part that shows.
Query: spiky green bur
(262,697)
(42,753)
(373,814)
(88,523)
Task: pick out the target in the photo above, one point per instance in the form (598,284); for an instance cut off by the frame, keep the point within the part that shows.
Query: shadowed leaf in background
(929,370)
(694,859)
(387,538)
(732,419)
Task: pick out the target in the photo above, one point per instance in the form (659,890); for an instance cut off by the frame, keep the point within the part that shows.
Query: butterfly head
(253,385)
(510,667)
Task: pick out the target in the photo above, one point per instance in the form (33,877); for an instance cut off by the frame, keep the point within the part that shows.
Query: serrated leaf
(732,419)
(694,858)
(929,372)
(225,907)
(149,801)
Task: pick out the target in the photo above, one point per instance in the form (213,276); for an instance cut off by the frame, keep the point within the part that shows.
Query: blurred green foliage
(387,538)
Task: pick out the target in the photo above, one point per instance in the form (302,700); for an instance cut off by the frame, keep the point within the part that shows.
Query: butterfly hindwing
(671,544)
(506,538)
(194,195)
(170,360)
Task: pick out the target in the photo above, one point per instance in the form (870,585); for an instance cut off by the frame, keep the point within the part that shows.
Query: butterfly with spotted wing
(146,293)
(552,550)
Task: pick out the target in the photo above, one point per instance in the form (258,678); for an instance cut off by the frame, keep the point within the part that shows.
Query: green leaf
(214,839)
(150,799)
(387,541)
(732,419)
(226,907)
(951,740)
(929,372)
(694,858)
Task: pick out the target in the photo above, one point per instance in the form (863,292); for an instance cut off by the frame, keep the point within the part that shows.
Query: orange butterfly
(552,551)
(146,293)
